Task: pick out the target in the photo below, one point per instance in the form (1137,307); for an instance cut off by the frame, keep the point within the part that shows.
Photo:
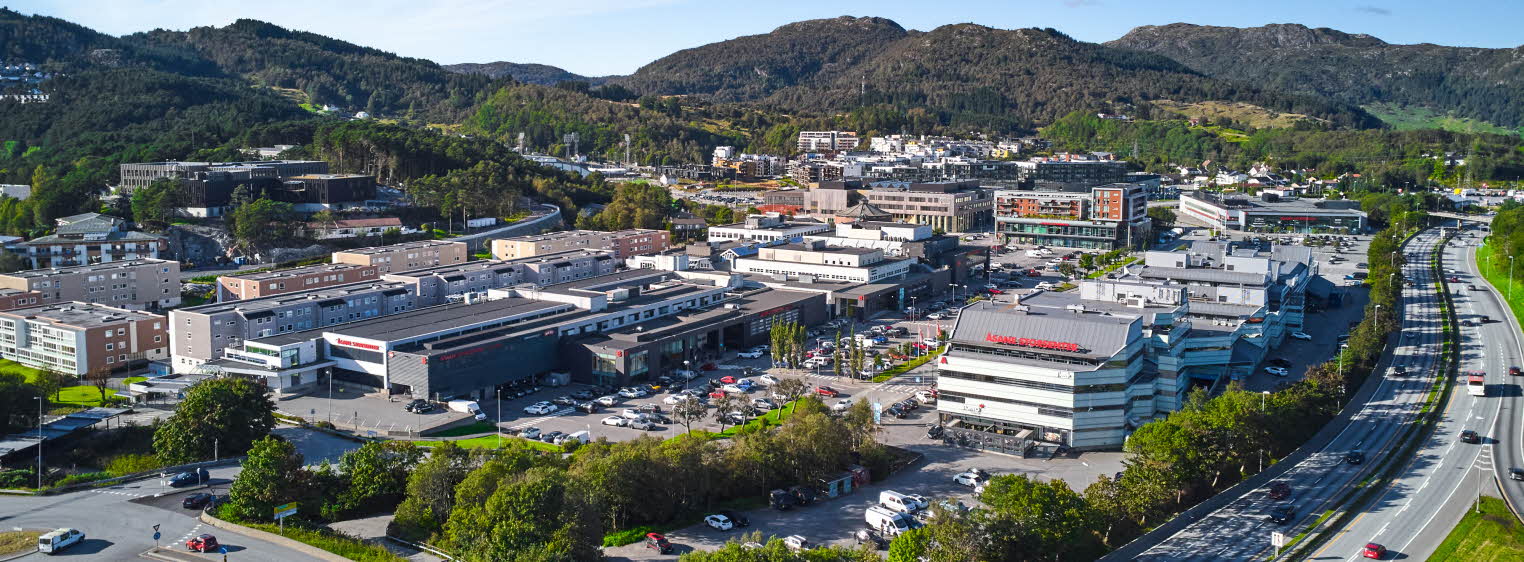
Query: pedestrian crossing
(555,414)
(121,493)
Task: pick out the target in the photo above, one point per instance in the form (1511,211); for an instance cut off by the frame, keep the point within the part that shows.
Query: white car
(933,342)
(530,433)
(686,374)
(970,478)
(607,401)
(921,502)
(1278,371)
(733,389)
(719,522)
(1301,336)
(616,421)
(842,405)
(749,354)
(676,399)
(632,392)
(935,316)
(768,380)
(540,408)
(762,404)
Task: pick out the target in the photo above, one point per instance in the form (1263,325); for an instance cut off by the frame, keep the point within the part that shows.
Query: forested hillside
(954,78)
(1485,84)
(528,73)
(329,71)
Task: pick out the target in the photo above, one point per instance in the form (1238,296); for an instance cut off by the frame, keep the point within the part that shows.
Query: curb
(10,557)
(272,538)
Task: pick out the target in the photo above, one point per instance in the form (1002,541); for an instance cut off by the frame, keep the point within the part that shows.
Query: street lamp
(40,402)
(687,366)
(499,427)
(912,309)
(1510,278)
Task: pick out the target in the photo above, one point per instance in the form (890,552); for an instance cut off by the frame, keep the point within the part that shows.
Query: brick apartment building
(406,256)
(282,281)
(624,243)
(76,337)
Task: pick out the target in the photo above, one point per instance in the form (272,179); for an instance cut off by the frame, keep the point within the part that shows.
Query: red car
(718,394)
(1033,273)
(827,391)
(1373,550)
(709,367)
(1513,371)
(727,379)
(995,291)
(658,543)
(202,543)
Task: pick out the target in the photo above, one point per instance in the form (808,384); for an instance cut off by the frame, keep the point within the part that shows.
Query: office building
(624,243)
(1104,217)
(133,285)
(75,338)
(816,260)
(89,238)
(295,280)
(406,256)
(952,206)
(766,228)
(1271,213)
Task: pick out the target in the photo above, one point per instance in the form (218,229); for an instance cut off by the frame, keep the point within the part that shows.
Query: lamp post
(330,395)
(40,401)
(1510,278)
(912,309)
(499,427)
(687,366)
(1341,349)
(954,287)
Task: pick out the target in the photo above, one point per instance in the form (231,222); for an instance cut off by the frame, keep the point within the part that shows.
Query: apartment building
(624,243)
(1078,173)
(144,284)
(76,337)
(11,299)
(90,238)
(450,283)
(1106,217)
(282,281)
(827,141)
(135,175)
(952,206)
(406,256)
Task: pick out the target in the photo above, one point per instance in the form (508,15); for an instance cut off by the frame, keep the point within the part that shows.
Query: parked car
(631,392)
(202,543)
(531,433)
(618,421)
(643,425)
(676,399)
(658,542)
(749,354)
(188,478)
(736,518)
(552,437)
(197,501)
(768,380)
(539,408)
(762,404)
(419,406)
(584,394)
(719,522)
(589,407)
(971,478)
(607,401)
(563,401)
(1301,336)
(1278,371)
(796,542)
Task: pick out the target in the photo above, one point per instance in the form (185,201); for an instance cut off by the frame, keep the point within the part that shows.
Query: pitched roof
(865,211)
(1097,335)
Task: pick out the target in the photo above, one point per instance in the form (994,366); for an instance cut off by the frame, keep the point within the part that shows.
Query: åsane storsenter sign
(1031,342)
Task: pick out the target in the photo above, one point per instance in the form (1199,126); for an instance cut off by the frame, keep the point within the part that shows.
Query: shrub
(73,479)
(627,536)
(19,478)
(122,465)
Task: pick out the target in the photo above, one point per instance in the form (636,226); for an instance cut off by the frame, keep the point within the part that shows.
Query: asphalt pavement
(1241,529)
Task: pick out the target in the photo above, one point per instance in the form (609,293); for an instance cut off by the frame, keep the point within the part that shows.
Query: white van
(60,539)
(897,501)
(887,521)
(581,436)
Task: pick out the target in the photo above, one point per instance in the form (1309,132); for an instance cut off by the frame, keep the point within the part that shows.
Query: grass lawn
(8,366)
(491,442)
(83,395)
(1494,534)
(131,380)
(1495,269)
(17,541)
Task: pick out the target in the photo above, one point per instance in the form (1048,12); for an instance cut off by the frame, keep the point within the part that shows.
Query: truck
(888,521)
(1476,383)
(468,407)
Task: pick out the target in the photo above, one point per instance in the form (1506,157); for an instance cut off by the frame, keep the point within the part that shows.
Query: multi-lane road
(1241,529)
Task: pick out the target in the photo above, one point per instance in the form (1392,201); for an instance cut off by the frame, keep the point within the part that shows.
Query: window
(110,347)
(110,359)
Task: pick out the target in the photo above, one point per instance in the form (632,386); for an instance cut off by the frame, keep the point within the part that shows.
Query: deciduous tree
(228,413)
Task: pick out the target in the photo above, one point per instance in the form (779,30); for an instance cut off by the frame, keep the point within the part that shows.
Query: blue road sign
(222,549)
(155,535)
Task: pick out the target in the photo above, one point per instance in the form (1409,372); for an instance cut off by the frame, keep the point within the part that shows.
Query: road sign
(156,535)
(878,412)
(283,511)
(1277,539)
(222,549)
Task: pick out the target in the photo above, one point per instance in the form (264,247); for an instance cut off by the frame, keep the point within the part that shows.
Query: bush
(627,536)
(19,478)
(122,465)
(73,479)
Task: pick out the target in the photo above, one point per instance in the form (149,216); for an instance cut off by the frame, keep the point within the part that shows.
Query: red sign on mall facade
(1031,342)
(361,345)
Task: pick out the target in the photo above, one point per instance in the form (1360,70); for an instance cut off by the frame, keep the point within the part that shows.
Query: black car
(934,432)
(419,406)
(1516,474)
(589,407)
(551,437)
(1354,457)
(198,500)
(1469,436)
(736,518)
(780,500)
(1282,513)
(803,495)
(190,478)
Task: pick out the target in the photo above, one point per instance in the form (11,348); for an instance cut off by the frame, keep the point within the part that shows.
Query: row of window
(1035,385)
(1042,409)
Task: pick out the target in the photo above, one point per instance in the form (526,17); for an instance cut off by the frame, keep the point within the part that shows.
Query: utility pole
(40,401)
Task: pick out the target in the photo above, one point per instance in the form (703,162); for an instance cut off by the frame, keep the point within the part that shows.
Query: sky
(602,37)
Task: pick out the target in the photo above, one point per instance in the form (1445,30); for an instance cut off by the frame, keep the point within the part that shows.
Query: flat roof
(1256,205)
(403,246)
(81,314)
(275,301)
(92,268)
(295,271)
(826,249)
(443,318)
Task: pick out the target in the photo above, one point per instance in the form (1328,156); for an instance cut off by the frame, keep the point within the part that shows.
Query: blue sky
(597,37)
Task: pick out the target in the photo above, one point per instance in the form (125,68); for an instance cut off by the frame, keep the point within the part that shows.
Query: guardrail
(126,478)
(421,546)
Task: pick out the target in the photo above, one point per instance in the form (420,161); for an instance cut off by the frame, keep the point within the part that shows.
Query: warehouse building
(1272,213)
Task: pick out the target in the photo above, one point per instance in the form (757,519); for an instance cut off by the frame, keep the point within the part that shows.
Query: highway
(1241,530)
(1417,509)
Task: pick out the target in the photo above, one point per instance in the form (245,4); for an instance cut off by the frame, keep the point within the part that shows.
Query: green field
(1406,118)
(1494,534)
(83,395)
(1495,269)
